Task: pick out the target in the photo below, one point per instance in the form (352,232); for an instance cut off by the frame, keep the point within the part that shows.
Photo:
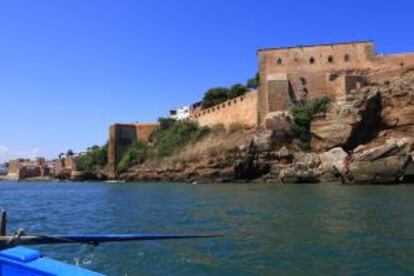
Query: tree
(70,153)
(135,154)
(215,96)
(254,82)
(166,122)
(94,158)
(237,90)
(302,117)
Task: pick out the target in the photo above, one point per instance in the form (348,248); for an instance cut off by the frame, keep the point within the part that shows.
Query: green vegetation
(215,96)
(237,90)
(173,135)
(169,137)
(302,117)
(253,82)
(95,158)
(137,153)
(218,95)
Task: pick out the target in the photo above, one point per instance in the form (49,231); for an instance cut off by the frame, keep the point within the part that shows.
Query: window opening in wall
(303,81)
(279,61)
(347,58)
(312,60)
(330,59)
(333,77)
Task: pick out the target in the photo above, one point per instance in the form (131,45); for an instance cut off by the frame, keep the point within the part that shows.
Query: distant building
(180,113)
(3,170)
(25,168)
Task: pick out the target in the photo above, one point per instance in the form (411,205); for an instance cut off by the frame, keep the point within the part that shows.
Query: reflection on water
(284,229)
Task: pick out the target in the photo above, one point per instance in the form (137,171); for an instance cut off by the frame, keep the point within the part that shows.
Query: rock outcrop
(365,137)
(350,121)
(358,117)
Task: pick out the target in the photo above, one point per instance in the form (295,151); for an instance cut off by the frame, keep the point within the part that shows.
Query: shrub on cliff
(215,96)
(302,117)
(165,123)
(237,90)
(253,82)
(96,157)
(218,95)
(135,154)
(165,140)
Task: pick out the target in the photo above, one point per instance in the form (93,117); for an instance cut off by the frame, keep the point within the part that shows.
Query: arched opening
(346,57)
(303,81)
(312,60)
(330,59)
(279,61)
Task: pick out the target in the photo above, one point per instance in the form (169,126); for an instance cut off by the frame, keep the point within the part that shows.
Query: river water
(268,229)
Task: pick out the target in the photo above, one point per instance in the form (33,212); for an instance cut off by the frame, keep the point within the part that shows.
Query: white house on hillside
(180,113)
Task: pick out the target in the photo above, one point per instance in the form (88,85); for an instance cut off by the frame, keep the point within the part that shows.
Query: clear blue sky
(70,68)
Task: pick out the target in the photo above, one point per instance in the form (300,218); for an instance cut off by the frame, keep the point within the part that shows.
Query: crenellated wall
(241,111)
(293,74)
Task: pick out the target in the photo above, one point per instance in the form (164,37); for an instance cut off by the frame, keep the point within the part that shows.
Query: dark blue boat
(17,260)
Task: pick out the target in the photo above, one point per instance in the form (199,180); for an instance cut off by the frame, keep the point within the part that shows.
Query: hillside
(363,137)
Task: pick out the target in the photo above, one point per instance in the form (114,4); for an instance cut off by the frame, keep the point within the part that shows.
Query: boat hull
(25,261)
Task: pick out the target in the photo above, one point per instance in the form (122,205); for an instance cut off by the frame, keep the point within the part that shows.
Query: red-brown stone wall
(241,111)
(317,71)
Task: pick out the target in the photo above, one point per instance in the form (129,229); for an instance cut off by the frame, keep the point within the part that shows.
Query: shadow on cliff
(369,126)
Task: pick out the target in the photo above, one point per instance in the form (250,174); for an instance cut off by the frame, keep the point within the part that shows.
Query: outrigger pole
(20,238)
(2,223)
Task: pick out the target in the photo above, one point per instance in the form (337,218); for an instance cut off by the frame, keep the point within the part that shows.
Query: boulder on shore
(386,170)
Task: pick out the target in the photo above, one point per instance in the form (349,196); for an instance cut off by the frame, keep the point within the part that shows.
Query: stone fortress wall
(292,74)
(240,111)
(121,136)
(288,76)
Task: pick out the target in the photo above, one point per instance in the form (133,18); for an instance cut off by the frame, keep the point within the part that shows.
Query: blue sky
(70,68)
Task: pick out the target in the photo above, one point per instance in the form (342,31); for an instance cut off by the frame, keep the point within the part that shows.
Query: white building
(180,113)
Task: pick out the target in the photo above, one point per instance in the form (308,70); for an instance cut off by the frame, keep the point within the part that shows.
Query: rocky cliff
(364,137)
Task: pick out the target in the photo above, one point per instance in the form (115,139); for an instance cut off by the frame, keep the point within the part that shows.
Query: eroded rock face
(358,117)
(391,147)
(264,140)
(278,120)
(381,171)
(304,169)
(334,160)
(398,104)
(387,163)
(409,173)
(348,122)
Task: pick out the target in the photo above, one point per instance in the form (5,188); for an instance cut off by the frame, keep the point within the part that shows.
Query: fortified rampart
(294,74)
(288,76)
(238,111)
(121,136)
(24,168)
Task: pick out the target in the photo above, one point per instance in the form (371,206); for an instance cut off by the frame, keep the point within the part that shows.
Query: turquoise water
(269,229)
